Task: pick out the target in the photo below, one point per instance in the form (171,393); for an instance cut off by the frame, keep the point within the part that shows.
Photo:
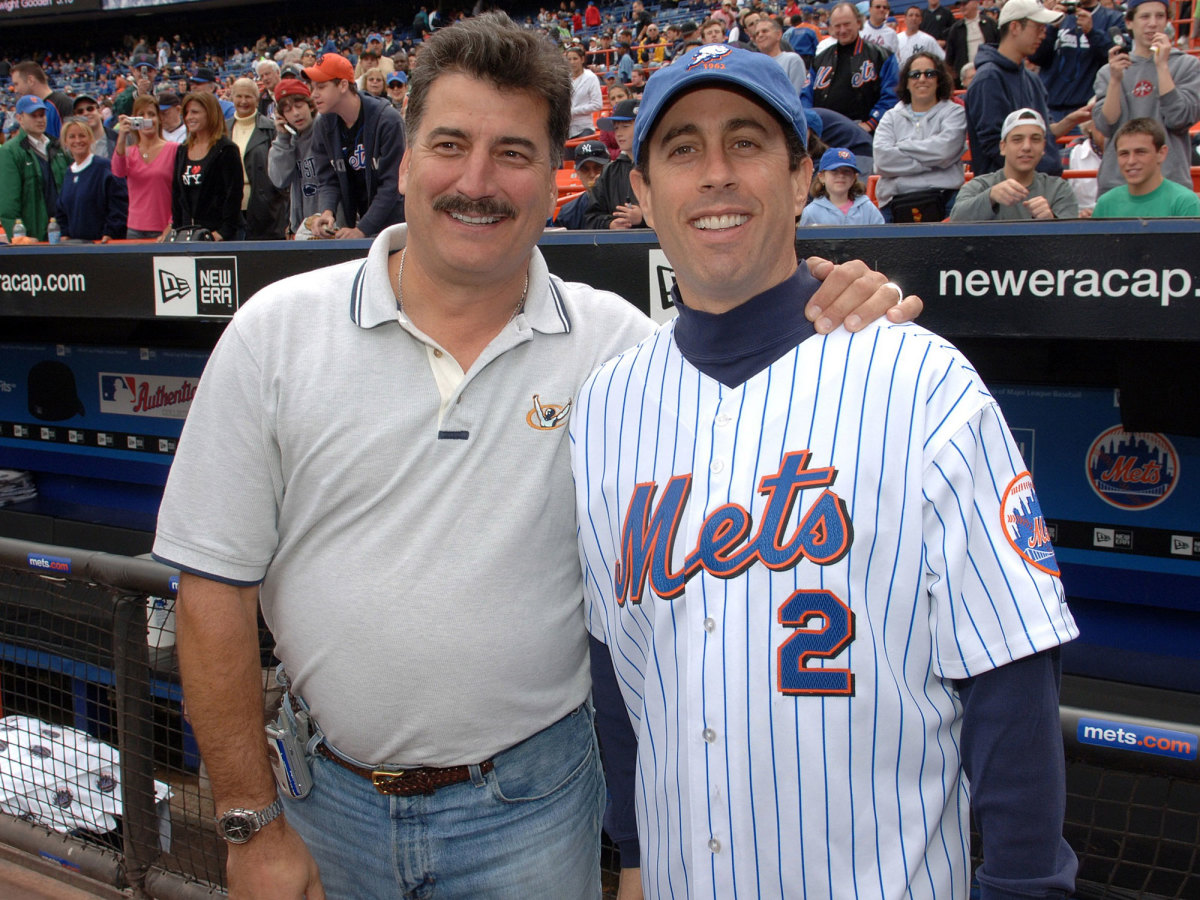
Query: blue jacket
(822,212)
(1000,87)
(93,203)
(383,141)
(1069,61)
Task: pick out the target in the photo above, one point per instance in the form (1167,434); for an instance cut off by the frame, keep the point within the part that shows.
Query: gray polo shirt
(421,577)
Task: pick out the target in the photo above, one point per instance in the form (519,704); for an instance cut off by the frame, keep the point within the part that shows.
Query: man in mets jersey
(817,561)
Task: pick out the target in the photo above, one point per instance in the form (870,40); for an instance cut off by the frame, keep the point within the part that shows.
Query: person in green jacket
(31,171)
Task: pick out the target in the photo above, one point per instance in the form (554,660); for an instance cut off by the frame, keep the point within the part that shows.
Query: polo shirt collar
(373,300)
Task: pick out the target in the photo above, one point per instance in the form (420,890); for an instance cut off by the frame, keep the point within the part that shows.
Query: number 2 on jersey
(809,644)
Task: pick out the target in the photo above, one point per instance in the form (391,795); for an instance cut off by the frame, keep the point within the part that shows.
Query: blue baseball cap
(719,65)
(838,158)
(30,103)
(374,36)
(397,78)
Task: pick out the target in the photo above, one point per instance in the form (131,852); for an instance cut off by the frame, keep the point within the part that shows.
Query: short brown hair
(1143,126)
(491,48)
(818,187)
(142,103)
(214,122)
(945,85)
(29,69)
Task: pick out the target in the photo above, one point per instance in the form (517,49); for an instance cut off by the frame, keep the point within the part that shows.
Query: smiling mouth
(475,220)
(716,223)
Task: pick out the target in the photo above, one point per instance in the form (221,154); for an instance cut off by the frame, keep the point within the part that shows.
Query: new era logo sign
(1182,544)
(195,286)
(1102,537)
(172,287)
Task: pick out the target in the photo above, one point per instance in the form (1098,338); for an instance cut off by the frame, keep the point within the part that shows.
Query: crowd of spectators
(301,135)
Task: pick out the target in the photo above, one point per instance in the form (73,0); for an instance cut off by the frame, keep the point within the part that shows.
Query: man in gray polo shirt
(378,453)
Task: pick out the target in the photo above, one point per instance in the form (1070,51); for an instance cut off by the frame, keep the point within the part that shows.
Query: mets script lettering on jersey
(823,536)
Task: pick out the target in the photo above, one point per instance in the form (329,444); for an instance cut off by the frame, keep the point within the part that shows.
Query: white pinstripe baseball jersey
(789,574)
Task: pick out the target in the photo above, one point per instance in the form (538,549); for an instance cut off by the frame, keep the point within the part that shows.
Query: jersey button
(710,625)
(709,735)
(714,845)
(724,419)
(437,353)
(717,466)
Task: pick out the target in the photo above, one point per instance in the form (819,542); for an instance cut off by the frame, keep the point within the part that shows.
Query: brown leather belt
(408,782)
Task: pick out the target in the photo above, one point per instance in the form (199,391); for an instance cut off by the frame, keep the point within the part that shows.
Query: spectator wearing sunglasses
(104,139)
(919,143)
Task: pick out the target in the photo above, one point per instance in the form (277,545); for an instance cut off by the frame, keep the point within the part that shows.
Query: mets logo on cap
(1025,526)
(709,54)
(1132,470)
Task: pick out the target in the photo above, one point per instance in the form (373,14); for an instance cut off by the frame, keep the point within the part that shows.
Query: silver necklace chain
(400,289)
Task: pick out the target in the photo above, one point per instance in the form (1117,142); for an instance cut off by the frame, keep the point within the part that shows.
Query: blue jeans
(529,828)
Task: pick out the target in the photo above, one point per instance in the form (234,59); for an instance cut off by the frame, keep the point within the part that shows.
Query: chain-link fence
(99,770)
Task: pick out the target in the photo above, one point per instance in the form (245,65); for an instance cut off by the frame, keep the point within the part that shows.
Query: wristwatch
(239,825)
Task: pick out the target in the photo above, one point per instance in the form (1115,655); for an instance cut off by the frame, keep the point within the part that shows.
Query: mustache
(464,206)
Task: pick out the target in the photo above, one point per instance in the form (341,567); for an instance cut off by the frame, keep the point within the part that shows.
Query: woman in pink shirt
(147,163)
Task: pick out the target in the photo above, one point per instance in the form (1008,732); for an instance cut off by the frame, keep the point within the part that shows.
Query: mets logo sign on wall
(1131,470)
(1025,526)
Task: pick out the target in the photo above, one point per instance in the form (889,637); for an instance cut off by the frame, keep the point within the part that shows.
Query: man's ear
(402,179)
(641,190)
(801,182)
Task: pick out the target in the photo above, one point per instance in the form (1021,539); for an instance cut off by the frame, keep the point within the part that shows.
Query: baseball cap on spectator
(397,78)
(838,158)
(79,98)
(204,75)
(1016,10)
(627,110)
(291,70)
(288,42)
(291,87)
(755,73)
(374,36)
(1019,117)
(592,151)
(1131,5)
(167,99)
(30,103)
(332,66)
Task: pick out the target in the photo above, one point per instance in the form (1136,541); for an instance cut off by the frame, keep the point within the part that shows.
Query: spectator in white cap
(1018,190)
(1002,84)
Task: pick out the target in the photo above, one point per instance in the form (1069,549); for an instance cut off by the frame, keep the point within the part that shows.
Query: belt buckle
(388,781)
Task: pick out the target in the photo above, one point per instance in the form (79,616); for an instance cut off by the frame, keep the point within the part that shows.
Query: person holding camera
(147,163)
(1069,58)
(1153,80)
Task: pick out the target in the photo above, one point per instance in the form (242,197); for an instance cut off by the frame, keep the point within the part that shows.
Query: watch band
(237,825)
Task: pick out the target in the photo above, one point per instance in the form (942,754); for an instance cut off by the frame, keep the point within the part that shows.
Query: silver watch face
(237,827)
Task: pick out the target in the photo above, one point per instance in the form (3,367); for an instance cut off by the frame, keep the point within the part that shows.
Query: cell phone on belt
(288,762)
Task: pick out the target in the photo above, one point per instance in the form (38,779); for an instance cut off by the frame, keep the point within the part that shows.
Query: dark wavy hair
(945,84)
(491,48)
